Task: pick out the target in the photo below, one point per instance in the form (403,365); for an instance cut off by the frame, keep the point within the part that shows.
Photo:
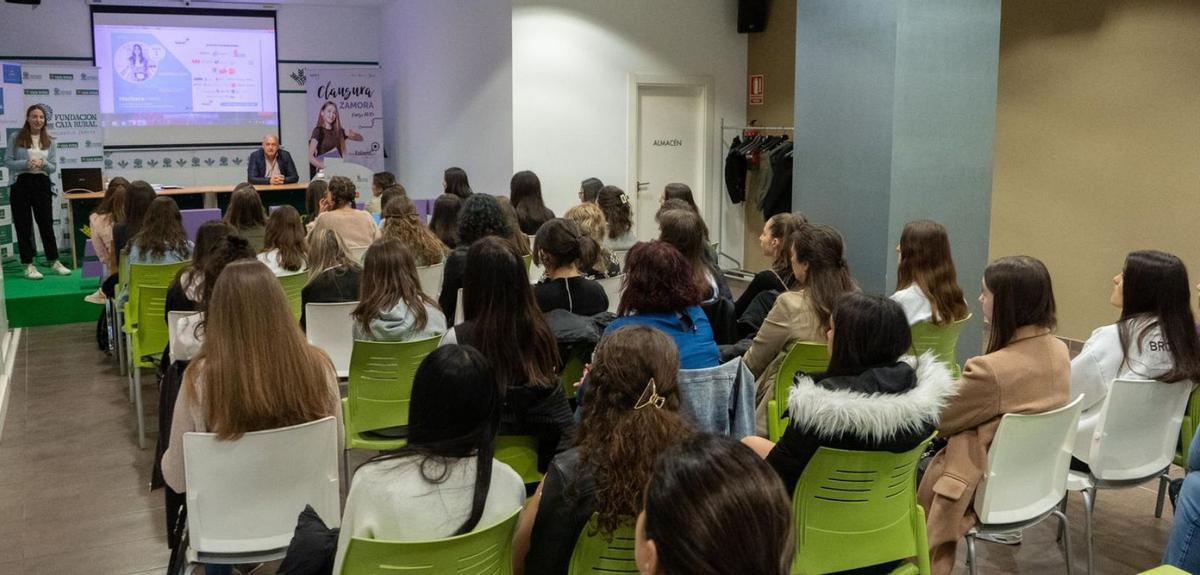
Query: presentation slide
(185,78)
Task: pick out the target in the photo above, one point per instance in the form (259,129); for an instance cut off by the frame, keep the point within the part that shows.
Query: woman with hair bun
(559,247)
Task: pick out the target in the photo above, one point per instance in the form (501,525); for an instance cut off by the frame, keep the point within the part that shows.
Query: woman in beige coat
(801,315)
(1026,370)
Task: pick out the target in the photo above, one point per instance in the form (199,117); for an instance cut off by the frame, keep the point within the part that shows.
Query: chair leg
(345,484)
(971,568)
(137,401)
(1163,481)
(1089,505)
(1062,508)
(1065,535)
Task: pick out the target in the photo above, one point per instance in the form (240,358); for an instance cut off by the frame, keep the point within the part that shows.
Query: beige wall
(1097,147)
(771,53)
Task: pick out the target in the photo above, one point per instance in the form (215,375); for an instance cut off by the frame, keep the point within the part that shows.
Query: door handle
(642,185)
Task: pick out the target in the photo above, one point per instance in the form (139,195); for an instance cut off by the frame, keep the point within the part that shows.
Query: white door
(671,143)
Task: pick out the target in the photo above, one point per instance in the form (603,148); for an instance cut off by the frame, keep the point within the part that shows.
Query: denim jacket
(17,158)
(720,399)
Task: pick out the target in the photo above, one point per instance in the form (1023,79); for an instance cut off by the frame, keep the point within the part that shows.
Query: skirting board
(9,343)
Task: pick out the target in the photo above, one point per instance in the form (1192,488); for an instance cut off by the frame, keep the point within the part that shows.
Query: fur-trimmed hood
(875,417)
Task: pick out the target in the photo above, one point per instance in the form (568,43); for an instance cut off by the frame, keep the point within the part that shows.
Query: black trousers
(30,199)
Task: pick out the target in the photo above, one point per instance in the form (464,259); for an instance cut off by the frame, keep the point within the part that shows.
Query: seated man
(270,165)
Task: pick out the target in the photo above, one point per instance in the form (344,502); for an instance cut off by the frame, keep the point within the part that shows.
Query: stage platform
(53,300)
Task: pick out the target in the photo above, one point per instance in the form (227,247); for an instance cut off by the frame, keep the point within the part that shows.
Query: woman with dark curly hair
(630,416)
(479,217)
(617,212)
(659,292)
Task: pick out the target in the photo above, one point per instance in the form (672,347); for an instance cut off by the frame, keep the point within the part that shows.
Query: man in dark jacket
(270,165)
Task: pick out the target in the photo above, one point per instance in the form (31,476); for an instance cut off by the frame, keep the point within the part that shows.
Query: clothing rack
(721,203)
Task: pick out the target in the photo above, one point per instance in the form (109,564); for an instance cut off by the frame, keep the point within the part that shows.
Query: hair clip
(650,396)
(624,199)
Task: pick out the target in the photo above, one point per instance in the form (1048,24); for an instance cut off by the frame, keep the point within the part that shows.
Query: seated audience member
(1183,547)
(515,236)
(525,189)
(389,193)
(685,230)
(255,371)
(803,315)
(591,222)
(379,182)
(502,321)
(659,292)
(619,215)
(356,227)
(773,242)
(138,197)
(444,220)
(109,213)
(630,415)
(247,214)
(681,192)
(872,398)
(558,248)
(271,166)
(391,305)
(713,508)
(333,275)
(926,283)
(589,189)
(1026,370)
(314,202)
(400,222)
(454,181)
(480,217)
(1155,338)
(185,290)
(161,238)
(226,249)
(444,482)
(284,244)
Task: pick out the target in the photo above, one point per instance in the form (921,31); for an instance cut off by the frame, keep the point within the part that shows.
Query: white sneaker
(1010,538)
(60,269)
(32,272)
(96,297)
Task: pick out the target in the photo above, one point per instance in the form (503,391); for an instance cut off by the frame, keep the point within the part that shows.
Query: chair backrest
(331,328)
(147,309)
(596,552)
(942,340)
(430,278)
(528,262)
(857,508)
(1191,419)
(802,356)
(485,551)
(244,496)
(612,289)
(173,318)
(1138,429)
(520,452)
(579,355)
(1027,465)
(381,378)
(293,285)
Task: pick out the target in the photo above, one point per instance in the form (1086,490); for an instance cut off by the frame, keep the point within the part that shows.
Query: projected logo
(299,76)
(137,62)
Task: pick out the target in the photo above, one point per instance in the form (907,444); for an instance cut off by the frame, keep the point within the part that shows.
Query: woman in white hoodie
(1154,339)
(391,305)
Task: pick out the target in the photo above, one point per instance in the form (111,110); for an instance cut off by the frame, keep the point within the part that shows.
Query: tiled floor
(74,494)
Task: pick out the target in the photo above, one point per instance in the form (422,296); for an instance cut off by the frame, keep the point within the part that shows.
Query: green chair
(942,340)
(859,508)
(577,356)
(377,396)
(482,552)
(520,452)
(145,325)
(804,357)
(528,262)
(293,284)
(1165,570)
(1187,429)
(597,552)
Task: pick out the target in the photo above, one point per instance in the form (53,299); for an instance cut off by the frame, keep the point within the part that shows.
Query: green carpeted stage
(53,300)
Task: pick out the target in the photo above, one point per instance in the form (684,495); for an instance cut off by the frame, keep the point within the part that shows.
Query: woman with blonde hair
(255,371)
(400,222)
(327,137)
(285,250)
(590,219)
(332,272)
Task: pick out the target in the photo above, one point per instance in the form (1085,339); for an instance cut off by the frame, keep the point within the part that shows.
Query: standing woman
(926,282)
(328,136)
(31,160)
(615,205)
(525,189)
(1026,370)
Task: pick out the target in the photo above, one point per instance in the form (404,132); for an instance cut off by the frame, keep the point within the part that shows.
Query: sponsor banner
(348,100)
(12,116)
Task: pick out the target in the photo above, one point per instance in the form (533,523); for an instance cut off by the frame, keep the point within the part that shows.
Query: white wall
(571,65)
(447,84)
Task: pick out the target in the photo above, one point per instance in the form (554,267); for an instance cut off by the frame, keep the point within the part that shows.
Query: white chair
(331,328)
(173,319)
(458,308)
(243,496)
(1026,476)
(612,288)
(536,271)
(430,278)
(1134,441)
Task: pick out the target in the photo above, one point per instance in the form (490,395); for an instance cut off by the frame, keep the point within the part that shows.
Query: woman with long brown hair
(400,222)
(926,282)
(285,249)
(630,414)
(328,136)
(773,243)
(525,189)
(109,213)
(685,230)
(391,305)
(30,160)
(161,239)
(444,220)
(516,237)
(255,371)
(619,215)
(247,214)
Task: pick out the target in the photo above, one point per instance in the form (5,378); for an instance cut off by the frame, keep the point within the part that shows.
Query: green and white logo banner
(12,116)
